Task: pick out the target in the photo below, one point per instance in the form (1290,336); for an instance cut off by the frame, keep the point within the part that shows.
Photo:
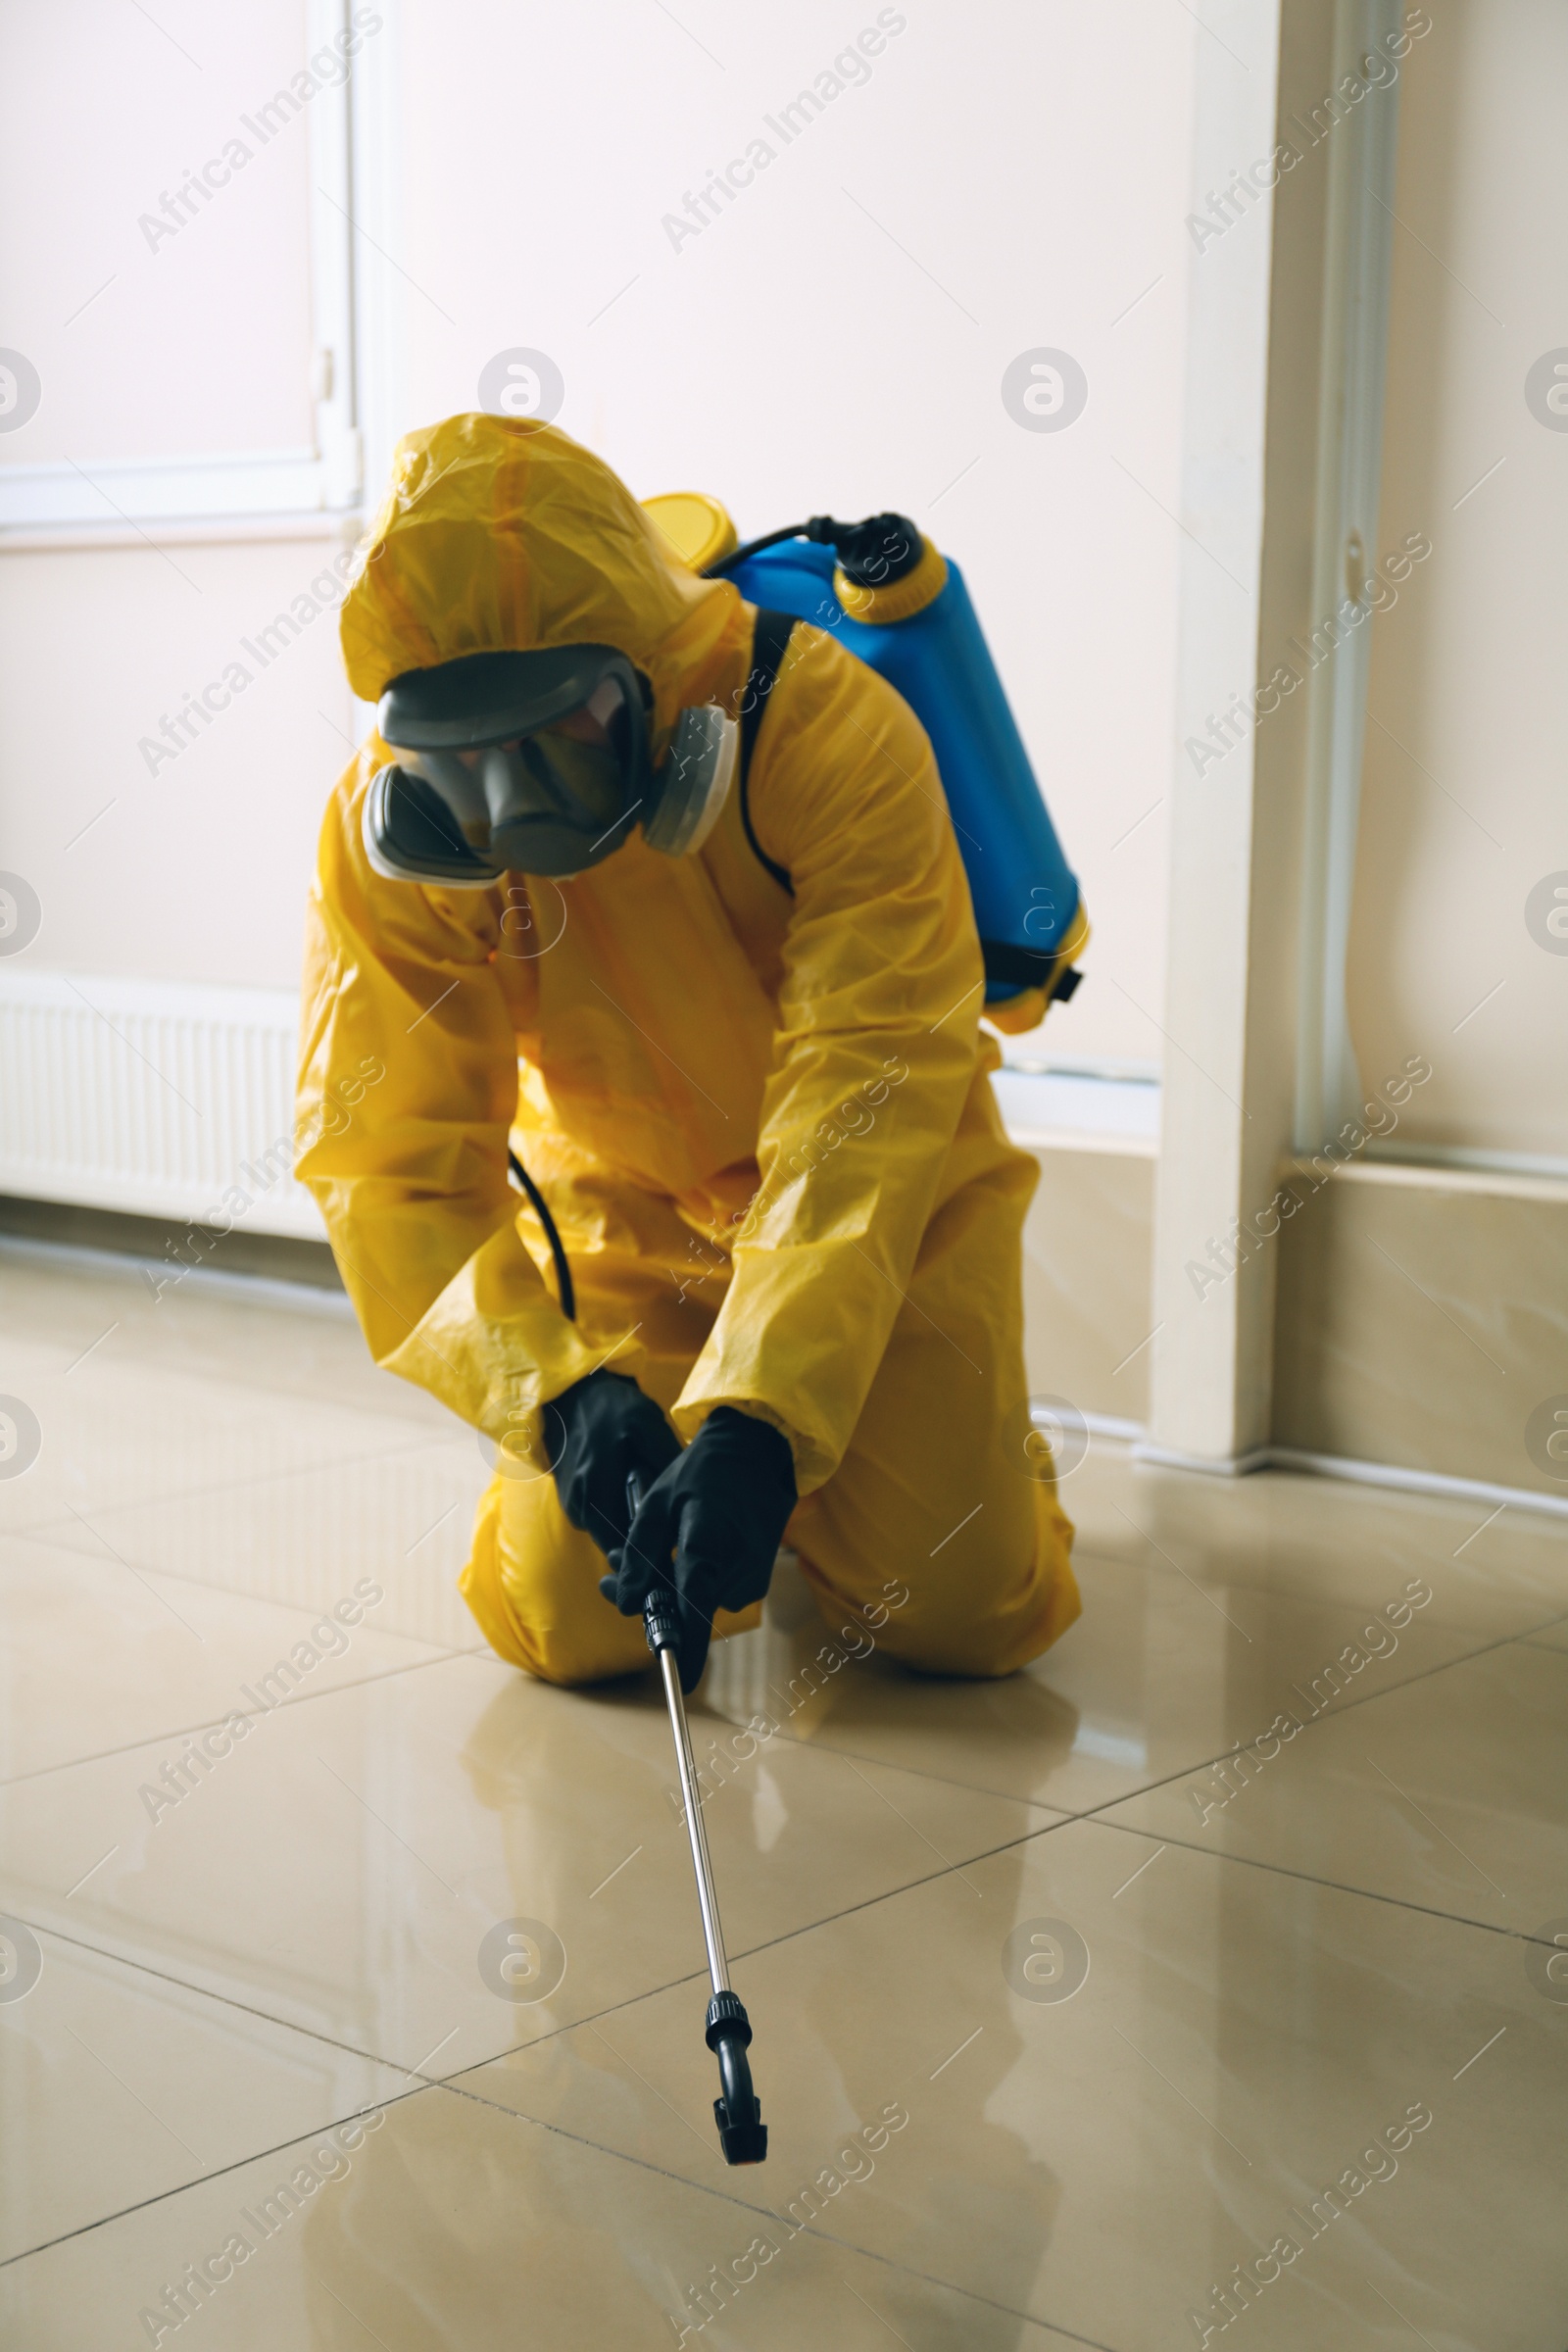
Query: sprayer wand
(742,2133)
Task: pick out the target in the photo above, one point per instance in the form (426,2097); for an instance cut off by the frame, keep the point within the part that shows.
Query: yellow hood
(501,535)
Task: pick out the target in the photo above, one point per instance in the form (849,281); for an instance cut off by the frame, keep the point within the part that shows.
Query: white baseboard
(1110,1424)
(1418,1482)
(1229,1465)
(252,1289)
(1395,1476)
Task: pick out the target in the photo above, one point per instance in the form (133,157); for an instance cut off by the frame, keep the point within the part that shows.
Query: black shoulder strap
(768,643)
(1027,967)
(1021,967)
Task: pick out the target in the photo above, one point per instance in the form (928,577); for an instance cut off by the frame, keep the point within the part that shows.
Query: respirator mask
(536,763)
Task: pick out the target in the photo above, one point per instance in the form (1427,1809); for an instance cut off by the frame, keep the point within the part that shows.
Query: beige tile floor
(242,2005)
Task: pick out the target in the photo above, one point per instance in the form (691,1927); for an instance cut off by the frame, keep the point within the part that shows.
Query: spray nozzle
(873,554)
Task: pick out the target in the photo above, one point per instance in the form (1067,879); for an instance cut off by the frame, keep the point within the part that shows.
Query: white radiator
(150,1097)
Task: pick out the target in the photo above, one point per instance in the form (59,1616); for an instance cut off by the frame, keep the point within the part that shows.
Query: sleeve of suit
(876,1054)
(406,1094)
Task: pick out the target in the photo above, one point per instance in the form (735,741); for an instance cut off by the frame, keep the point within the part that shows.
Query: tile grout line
(1457,1919)
(34,1529)
(174,1576)
(84,1944)
(1041,1804)
(165,1976)
(163,2196)
(518,2115)
(790,1935)
(1308,1878)
(1095,1816)
(1366,1699)
(802,2230)
(105,1756)
(1093,1819)
(1267,1591)
(1038,1804)
(1274,1593)
(455,2083)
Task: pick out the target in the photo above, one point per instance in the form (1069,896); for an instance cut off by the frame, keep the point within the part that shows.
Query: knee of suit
(532,1584)
(978,1616)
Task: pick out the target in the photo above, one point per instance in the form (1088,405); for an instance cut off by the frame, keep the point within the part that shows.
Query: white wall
(192,337)
(177,866)
(150,343)
(835,340)
(1463,797)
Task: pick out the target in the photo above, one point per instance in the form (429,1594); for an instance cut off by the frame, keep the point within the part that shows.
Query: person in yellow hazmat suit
(732,1035)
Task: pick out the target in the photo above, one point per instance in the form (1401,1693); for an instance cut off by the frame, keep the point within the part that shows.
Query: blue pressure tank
(892,599)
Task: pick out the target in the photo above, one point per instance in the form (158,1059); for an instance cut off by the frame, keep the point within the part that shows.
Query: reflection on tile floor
(402,1517)
(150,1655)
(1087,2012)
(1452,1792)
(119,2085)
(1103,2159)
(341,1867)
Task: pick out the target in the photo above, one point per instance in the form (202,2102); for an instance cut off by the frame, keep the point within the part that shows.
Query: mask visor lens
(552,801)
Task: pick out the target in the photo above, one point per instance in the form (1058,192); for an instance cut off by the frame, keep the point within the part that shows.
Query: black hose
(536,1199)
(873,554)
(754,547)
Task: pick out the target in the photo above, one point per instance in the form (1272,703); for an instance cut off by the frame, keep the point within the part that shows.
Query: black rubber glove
(601,1432)
(710,1527)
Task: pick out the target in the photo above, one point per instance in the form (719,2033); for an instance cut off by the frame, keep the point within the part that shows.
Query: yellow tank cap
(695,527)
(901,598)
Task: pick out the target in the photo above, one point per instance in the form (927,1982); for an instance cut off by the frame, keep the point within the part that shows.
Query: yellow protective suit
(763,1124)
